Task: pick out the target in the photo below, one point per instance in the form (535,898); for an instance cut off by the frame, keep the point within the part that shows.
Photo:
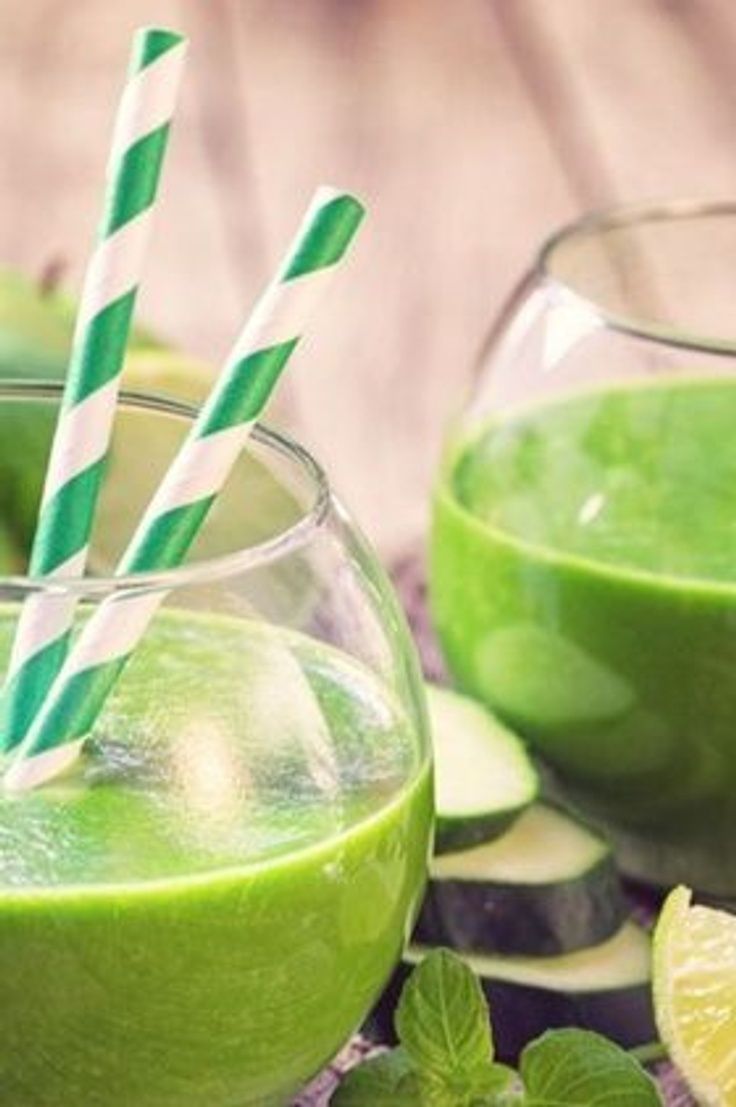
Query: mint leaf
(383,1081)
(434,1092)
(577,1068)
(442,1020)
(494,1086)
(489,1086)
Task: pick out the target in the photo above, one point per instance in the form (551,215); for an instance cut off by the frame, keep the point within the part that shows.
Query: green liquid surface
(204,910)
(584,584)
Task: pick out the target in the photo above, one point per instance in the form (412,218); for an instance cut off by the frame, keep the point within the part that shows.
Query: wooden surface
(471,127)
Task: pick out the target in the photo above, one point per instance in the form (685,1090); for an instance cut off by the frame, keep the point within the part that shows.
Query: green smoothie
(206,908)
(583,583)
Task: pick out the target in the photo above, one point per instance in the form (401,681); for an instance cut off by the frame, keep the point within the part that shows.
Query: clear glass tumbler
(204,908)
(583,566)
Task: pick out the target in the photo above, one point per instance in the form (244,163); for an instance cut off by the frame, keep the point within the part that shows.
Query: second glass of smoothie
(583,564)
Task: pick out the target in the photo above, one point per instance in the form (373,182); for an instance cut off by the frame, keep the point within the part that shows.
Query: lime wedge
(695,995)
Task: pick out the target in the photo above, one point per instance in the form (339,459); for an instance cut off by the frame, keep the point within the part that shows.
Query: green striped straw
(82,436)
(189,489)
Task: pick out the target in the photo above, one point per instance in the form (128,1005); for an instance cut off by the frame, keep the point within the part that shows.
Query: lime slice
(695,995)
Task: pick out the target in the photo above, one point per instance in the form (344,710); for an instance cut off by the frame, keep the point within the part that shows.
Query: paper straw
(82,436)
(183,500)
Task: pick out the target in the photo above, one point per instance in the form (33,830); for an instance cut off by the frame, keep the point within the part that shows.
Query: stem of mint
(650,1053)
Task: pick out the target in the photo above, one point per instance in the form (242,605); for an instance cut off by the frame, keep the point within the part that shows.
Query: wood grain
(472,128)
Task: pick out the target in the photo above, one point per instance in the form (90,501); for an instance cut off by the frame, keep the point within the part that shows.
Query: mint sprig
(446,1056)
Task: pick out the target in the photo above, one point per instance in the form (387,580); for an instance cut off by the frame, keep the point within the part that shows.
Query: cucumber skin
(528,919)
(456,833)
(521,1012)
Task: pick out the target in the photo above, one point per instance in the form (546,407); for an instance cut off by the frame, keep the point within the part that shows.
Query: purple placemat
(409,578)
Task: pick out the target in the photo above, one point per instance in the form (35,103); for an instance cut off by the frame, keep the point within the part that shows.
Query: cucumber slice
(548,886)
(606,988)
(484,776)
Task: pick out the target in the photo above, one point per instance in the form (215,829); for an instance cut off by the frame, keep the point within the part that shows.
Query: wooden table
(471,127)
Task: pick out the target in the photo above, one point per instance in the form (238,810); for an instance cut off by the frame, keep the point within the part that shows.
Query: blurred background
(471,128)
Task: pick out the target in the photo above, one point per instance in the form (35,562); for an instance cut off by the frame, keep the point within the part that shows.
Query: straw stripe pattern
(81,441)
(197,474)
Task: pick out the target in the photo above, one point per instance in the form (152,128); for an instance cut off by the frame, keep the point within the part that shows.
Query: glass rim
(202,570)
(616,216)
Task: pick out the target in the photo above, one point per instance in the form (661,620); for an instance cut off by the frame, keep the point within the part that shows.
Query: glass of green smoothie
(202,911)
(583,554)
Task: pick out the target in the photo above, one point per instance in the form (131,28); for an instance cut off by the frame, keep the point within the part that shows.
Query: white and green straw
(183,500)
(82,436)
